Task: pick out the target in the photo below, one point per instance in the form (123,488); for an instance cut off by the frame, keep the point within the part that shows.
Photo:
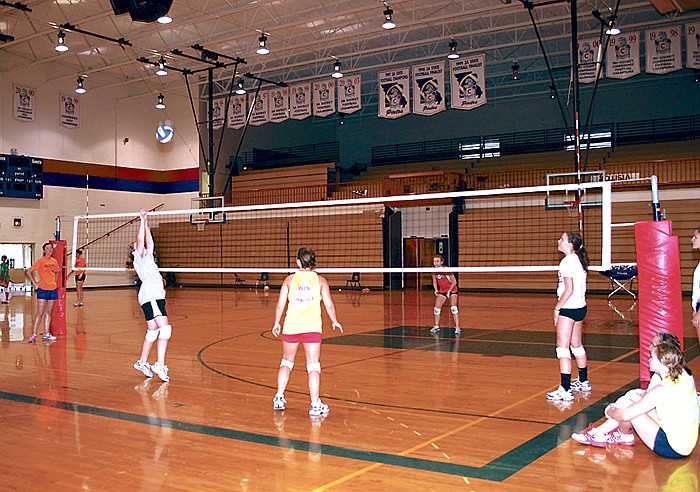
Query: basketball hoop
(571,207)
(200,225)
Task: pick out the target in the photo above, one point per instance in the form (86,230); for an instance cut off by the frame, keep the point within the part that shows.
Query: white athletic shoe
(319,408)
(278,403)
(162,372)
(435,329)
(144,367)
(578,385)
(560,394)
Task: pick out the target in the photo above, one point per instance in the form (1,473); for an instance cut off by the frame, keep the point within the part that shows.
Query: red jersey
(444,280)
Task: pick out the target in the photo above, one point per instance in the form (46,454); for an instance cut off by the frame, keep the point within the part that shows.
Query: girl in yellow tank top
(302,293)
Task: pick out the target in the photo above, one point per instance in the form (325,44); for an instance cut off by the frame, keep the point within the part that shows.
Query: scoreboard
(21,176)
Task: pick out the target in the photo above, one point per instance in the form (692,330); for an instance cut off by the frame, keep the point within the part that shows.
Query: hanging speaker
(142,10)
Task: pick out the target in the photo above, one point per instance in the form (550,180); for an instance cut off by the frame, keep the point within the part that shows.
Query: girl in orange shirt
(48,270)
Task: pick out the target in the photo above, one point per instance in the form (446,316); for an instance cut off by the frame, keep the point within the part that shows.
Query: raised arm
(141,235)
(328,303)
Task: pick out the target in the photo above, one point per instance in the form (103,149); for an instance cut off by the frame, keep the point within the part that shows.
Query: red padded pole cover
(659,283)
(58,315)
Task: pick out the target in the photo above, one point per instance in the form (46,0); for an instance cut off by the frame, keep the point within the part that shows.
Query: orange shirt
(80,266)
(47,269)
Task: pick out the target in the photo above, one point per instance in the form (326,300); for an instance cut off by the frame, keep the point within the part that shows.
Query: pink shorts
(309,337)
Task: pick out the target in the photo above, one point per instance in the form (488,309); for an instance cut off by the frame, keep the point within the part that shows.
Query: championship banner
(429,88)
(324,98)
(279,104)
(590,52)
(260,113)
(218,112)
(350,94)
(394,88)
(24,103)
(300,101)
(237,111)
(663,47)
(467,82)
(692,45)
(622,60)
(69,111)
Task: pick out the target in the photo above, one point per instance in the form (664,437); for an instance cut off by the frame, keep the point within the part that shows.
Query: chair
(354,281)
(238,280)
(621,279)
(263,278)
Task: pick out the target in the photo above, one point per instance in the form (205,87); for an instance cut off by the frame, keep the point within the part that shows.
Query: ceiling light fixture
(161,68)
(337,74)
(262,48)
(452,54)
(161,102)
(388,21)
(241,89)
(552,92)
(610,23)
(516,70)
(80,89)
(61,46)
(165,19)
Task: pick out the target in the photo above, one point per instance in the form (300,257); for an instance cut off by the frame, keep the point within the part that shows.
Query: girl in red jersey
(445,286)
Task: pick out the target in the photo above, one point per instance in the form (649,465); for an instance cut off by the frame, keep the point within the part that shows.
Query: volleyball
(165,132)
(266,288)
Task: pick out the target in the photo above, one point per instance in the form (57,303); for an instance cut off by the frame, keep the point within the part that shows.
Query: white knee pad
(165,332)
(286,363)
(454,310)
(436,311)
(151,335)
(563,353)
(578,351)
(314,366)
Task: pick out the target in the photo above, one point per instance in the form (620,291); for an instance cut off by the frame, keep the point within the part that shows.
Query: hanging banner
(69,111)
(590,53)
(279,104)
(300,101)
(350,94)
(237,111)
(24,103)
(260,113)
(467,82)
(324,98)
(394,87)
(622,59)
(663,47)
(429,88)
(692,45)
(218,112)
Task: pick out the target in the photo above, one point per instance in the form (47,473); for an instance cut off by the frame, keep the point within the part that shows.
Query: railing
(629,133)
(675,171)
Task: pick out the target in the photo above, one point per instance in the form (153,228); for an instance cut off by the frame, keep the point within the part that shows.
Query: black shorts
(697,306)
(80,278)
(152,311)
(576,314)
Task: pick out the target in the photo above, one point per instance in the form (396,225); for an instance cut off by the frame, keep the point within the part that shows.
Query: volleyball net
(503,230)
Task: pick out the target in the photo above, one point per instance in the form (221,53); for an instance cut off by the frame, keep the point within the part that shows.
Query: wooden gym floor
(409,410)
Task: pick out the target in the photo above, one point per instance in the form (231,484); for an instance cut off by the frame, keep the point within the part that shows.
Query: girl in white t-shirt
(695,240)
(569,312)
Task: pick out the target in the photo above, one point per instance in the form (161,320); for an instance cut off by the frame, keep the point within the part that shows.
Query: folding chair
(621,279)
(354,281)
